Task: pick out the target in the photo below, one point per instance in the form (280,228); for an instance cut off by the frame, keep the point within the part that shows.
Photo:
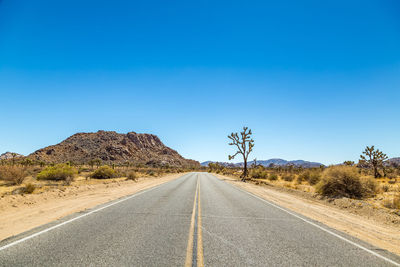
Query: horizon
(209,160)
(314,81)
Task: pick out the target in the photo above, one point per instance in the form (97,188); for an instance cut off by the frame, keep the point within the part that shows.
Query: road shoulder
(21,213)
(364,228)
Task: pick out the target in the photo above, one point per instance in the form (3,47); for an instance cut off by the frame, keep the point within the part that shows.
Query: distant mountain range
(394,162)
(267,163)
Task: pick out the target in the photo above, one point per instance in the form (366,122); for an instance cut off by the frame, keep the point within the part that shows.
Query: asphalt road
(194,220)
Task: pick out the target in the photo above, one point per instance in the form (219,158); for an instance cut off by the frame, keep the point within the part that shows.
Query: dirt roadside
(20,213)
(367,227)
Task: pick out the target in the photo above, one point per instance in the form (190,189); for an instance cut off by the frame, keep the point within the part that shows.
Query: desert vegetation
(13,174)
(25,176)
(244,145)
(59,172)
(372,179)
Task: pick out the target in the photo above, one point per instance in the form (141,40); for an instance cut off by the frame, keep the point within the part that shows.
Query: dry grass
(132,176)
(32,185)
(392,203)
(13,174)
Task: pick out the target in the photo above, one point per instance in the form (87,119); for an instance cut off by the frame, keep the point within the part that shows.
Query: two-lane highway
(194,220)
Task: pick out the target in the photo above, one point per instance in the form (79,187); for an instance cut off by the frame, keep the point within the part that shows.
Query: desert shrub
(151,173)
(29,188)
(288,177)
(341,181)
(314,178)
(258,173)
(12,174)
(311,176)
(273,177)
(132,176)
(393,203)
(304,176)
(104,172)
(370,187)
(59,172)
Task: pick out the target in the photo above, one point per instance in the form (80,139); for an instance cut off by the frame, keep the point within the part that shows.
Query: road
(194,220)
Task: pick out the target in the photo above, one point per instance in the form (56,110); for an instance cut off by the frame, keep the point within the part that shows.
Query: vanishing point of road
(195,220)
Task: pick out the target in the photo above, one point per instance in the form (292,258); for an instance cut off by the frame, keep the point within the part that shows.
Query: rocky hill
(10,155)
(112,147)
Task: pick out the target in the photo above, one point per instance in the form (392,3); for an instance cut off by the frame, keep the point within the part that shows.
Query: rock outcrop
(10,155)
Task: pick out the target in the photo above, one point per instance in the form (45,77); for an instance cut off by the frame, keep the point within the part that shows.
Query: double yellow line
(195,241)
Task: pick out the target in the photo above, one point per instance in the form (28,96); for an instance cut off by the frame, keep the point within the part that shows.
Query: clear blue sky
(315,80)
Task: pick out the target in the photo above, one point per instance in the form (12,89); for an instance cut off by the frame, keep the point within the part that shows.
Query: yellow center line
(200,258)
(189,250)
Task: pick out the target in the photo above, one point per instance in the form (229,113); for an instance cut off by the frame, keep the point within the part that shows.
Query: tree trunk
(244,175)
(376,173)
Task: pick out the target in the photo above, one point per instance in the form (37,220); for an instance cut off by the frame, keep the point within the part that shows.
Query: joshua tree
(254,165)
(373,158)
(244,144)
(348,163)
(13,156)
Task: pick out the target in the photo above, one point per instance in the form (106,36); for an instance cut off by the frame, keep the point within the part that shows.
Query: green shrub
(132,176)
(13,174)
(59,172)
(288,177)
(273,177)
(104,172)
(341,181)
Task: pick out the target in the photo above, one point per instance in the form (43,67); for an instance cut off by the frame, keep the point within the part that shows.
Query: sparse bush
(12,174)
(385,188)
(59,172)
(132,176)
(341,181)
(311,176)
(258,173)
(304,176)
(273,177)
(370,187)
(288,177)
(314,178)
(29,188)
(104,172)
(152,173)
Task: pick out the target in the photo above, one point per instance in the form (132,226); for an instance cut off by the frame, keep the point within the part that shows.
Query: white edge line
(81,216)
(320,227)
